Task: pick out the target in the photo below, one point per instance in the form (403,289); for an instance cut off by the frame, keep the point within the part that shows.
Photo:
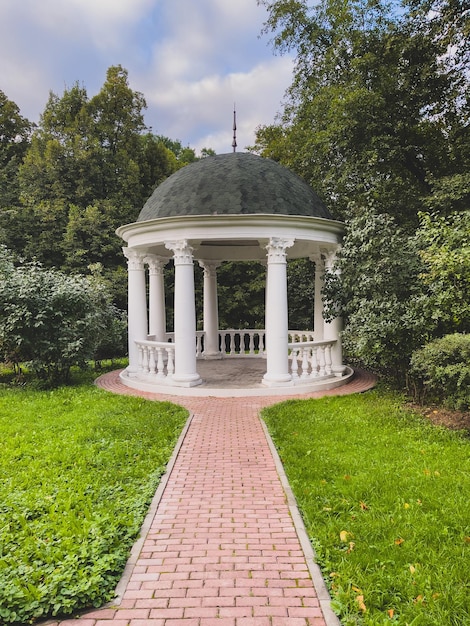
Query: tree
(374,112)
(14,140)
(90,238)
(62,162)
(184,155)
(91,166)
(241,288)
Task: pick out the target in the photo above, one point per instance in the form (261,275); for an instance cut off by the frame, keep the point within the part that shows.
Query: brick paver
(223,547)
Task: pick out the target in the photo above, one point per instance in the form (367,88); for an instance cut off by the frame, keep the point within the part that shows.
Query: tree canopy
(378,111)
(85,169)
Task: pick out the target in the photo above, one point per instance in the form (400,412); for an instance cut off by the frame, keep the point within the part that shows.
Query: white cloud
(190,107)
(191,60)
(76,18)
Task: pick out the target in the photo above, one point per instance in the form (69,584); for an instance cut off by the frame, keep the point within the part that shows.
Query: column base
(186,380)
(132,371)
(338,370)
(280,380)
(212,355)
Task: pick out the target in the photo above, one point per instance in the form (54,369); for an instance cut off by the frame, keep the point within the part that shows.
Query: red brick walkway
(223,543)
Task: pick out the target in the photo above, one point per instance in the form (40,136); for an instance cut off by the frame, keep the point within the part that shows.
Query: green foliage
(52,321)
(79,468)
(14,140)
(383,495)
(440,371)
(241,293)
(374,287)
(444,244)
(377,113)
(88,168)
(89,236)
(300,293)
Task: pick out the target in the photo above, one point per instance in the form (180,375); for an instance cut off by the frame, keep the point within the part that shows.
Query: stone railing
(242,343)
(156,359)
(297,336)
(310,359)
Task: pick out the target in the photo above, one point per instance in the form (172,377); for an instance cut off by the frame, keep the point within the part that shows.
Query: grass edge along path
(78,469)
(384,498)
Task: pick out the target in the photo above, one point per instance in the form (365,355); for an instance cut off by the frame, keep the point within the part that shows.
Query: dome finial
(234,142)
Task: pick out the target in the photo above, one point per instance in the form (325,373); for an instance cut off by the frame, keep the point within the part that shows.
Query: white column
(157,316)
(277,364)
(185,315)
(318,320)
(137,305)
(211,312)
(332,330)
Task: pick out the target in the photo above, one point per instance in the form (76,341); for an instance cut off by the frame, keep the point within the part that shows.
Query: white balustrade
(242,343)
(199,343)
(156,360)
(310,359)
(298,336)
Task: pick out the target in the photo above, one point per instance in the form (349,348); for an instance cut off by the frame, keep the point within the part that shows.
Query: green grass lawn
(385,497)
(78,469)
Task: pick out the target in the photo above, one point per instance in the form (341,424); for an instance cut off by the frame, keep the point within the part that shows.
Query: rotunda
(228,207)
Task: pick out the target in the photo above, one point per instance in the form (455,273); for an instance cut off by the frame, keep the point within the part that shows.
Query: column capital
(209,267)
(135,259)
(155,263)
(329,256)
(182,252)
(317,259)
(277,249)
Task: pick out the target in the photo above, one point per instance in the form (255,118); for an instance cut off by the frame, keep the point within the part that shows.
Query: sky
(191,59)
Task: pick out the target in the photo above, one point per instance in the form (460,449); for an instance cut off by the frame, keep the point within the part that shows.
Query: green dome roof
(238,183)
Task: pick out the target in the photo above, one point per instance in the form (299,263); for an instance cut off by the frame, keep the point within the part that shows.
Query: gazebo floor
(237,377)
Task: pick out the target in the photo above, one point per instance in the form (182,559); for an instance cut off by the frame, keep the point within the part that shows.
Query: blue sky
(192,59)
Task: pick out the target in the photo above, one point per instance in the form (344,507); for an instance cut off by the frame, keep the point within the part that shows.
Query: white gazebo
(229,207)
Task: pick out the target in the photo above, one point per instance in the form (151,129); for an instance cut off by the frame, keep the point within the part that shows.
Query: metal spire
(234,142)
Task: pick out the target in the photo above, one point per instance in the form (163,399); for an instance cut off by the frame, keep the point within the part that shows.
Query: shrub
(374,287)
(51,320)
(440,371)
(444,247)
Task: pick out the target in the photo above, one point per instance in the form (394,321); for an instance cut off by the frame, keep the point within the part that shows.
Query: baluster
(152,361)
(170,366)
(305,355)
(322,361)
(145,364)
(328,359)
(140,366)
(314,363)
(232,343)
(160,363)
(252,342)
(294,363)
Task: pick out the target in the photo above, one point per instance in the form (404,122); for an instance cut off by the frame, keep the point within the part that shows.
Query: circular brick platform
(360,382)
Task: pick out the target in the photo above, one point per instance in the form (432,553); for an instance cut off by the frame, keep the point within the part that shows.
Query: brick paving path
(223,543)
